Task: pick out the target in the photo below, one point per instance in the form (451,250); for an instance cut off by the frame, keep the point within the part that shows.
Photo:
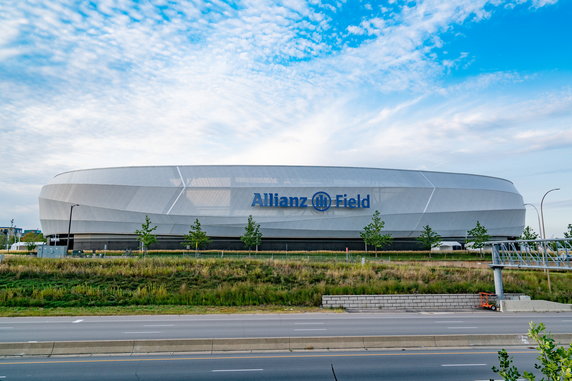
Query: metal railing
(550,254)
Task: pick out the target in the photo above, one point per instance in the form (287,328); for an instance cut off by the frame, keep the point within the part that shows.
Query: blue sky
(469,86)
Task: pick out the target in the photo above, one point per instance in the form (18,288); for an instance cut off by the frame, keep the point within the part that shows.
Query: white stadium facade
(297,207)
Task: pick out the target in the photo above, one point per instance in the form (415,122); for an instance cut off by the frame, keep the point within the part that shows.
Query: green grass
(153,282)
(152,310)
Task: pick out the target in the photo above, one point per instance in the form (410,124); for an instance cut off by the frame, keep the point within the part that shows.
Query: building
(297,207)
(11,232)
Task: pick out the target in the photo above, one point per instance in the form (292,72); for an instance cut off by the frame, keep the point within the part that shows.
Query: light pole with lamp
(69,225)
(544,237)
(538,215)
(542,214)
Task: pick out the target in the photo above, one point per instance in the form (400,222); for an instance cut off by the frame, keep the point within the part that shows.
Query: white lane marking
(32,341)
(310,329)
(2,376)
(237,370)
(462,327)
(143,332)
(463,364)
(448,321)
(77,321)
(309,323)
(159,325)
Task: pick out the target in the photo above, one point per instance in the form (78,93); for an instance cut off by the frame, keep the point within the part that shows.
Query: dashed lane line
(237,370)
(310,329)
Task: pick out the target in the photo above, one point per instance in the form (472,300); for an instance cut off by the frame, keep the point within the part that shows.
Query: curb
(58,348)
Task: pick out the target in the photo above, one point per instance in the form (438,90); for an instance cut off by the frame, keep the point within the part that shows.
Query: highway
(414,365)
(273,325)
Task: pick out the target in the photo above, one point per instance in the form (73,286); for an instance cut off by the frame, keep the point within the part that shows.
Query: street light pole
(542,214)
(538,215)
(544,237)
(69,225)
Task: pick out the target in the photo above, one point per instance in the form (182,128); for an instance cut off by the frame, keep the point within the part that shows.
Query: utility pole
(10,234)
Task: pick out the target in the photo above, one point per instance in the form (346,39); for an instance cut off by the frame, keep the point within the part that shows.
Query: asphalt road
(443,365)
(273,325)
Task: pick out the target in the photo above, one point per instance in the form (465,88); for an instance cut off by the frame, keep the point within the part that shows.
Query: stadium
(297,207)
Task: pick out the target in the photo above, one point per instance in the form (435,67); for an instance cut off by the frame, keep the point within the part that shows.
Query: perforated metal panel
(116,201)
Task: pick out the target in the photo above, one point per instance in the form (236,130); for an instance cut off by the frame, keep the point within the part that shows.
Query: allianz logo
(320,201)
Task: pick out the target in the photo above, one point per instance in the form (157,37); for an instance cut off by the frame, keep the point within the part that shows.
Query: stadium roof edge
(282,166)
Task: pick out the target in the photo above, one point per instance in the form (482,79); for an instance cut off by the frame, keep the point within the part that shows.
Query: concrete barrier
(533,306)
(92,347)
(251,344)
(173,345)
(266,344)
(326,343)
(421,341)
(26,349)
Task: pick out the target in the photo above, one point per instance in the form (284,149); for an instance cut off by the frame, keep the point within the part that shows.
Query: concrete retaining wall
(264,344)
(405,302)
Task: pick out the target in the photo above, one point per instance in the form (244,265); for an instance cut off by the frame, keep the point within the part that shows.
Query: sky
(470,86)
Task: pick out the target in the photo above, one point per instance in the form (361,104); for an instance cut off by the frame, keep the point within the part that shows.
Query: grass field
(187,282)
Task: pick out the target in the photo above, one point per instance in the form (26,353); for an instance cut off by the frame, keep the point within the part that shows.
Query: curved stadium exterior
(297,207)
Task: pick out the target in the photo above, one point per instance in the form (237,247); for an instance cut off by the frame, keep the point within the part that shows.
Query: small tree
(252,236)
(428,238)
(196,236)
(555,362)
(529,234)
(478,236)
(145,235)
(31,239)
(372,235)
(568,234)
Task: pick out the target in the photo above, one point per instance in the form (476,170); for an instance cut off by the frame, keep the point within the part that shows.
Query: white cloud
(542,3)
(260,83)
(355,30)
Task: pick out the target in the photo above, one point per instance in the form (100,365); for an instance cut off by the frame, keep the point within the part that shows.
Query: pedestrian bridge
(551,254)
(545,254)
